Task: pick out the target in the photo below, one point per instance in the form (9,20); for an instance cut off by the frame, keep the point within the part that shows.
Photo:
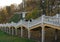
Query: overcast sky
(9,2)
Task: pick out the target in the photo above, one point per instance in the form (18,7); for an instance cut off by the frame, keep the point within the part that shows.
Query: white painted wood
(16,31)
(43,31)
(28,30)
(56,34)
(21,31)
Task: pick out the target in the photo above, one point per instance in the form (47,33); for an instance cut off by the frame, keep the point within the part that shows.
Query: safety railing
(54,20)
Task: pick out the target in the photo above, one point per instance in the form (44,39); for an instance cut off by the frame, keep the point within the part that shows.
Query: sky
(9,2)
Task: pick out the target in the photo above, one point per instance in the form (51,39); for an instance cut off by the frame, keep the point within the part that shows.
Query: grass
(8,38)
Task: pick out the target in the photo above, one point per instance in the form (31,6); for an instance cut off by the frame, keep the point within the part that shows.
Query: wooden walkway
(23,28)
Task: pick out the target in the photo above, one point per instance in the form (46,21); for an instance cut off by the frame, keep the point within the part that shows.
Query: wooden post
(43,34)
(28,30)
(12,31)
(56,34)
(28,33)
(21,31)
(5,29)
(43,31)
(9,30)
(16,31)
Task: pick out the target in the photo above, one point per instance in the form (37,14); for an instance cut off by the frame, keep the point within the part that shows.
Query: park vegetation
(35,8)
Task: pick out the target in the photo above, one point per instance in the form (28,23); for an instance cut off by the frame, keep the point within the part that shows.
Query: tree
(33,15)
(28,16)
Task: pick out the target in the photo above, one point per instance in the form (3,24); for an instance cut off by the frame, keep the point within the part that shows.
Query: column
(56,32)
(28,30)
(43,34)
(43,31)
(9,30)
(16,31)
(12,31)
(1,28)
(5,29)
(21,31)
(29,33)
